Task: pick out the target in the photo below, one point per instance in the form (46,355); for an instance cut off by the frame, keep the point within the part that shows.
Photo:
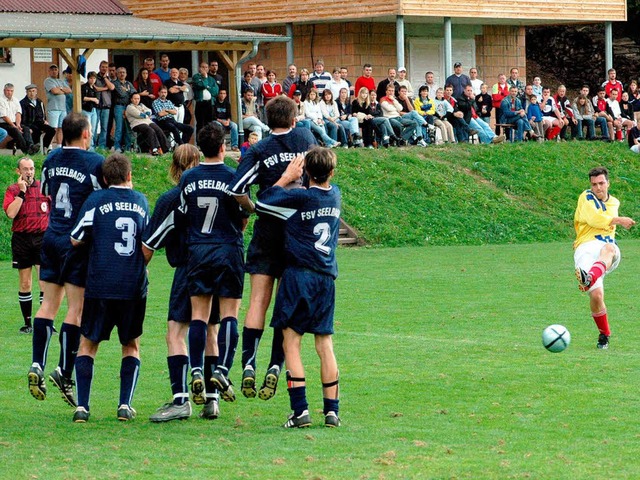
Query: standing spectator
(476,83)
(222,115)
(29,210)
(499,92)
(344,73)
(250,120)
(213,72)
(163,70)
(306,296)
(514,81)
(56,101)
(319,77)
(11,121)
(537,87)
(612,83)
(259,77)
(429,81)
(154,78)
(634,100)
(336,83)
(121,98)
(290,79)
(116,290)
(183,76)
(205,90)
(68,97)
(271,88)
(303,85)
(381,90)
(144,87)
(403,81)
(366,80)
(104,86)
(176,89)
(90,101)
(69,175)
(457,80)
(35,118)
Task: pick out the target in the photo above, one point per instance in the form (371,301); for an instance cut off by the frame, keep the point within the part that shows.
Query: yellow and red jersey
(593,217)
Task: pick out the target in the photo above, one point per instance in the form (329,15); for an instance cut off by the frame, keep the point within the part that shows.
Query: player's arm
(626,222)
(84,225)
(13,202)
(246,174)
(294,171)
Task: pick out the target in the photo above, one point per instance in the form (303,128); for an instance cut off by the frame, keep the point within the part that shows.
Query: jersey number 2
(324,230)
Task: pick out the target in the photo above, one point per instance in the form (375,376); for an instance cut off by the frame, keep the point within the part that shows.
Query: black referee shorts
(25,249)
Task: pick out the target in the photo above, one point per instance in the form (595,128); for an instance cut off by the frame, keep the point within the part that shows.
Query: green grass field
(443,375)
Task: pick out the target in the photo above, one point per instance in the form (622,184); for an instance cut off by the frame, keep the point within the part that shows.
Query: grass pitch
(443,375)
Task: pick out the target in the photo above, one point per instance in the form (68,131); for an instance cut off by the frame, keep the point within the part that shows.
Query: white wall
(19,73)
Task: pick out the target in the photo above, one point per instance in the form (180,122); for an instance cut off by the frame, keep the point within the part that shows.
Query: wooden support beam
(75,85)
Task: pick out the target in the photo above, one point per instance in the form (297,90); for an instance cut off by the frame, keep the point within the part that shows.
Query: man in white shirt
(10,119)
(476,83)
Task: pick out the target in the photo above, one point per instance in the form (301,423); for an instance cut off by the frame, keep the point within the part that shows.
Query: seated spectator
(602,110)
(290,79)
(620,123)
(347,119)
(150,136)
(403,81)
(409,128)
(380,123)
(514,114)
(165,116)
(534,115)
(441,120)
(568,118)
(303,85)
(361,109)
(460,127)
(551,118)
(499,92)
(466,104)
(336,83)
(90,101)
(485,103)
(252,139)
(313,112)
(382,86)
(331,116)
(319,77)
(271,88)
(222,115)
(366,80)
(301,119)
(427,109)
(34,117)
(634,100)
(3,134)
(250,120)
(583,111)
(408,110)
(144,87)
(11,122)
(625,107)
(634,139)
(599,120)
(476,83)
(176,89)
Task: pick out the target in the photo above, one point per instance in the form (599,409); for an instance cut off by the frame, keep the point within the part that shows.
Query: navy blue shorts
(216,270)
(180,302)
(305,302)
(265,254)
(100,315)
(61,263)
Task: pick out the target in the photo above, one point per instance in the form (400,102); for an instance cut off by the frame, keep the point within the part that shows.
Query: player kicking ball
(306,296)
(596,252)
(111,223)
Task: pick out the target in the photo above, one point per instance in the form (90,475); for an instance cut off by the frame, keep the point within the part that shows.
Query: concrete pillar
(289,44)
(195,62)
(608,47)
(448,65)
(400,41)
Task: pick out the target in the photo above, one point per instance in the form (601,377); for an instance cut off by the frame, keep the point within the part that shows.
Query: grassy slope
(458,195)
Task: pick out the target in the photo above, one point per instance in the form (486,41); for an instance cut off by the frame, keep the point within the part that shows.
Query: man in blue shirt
(306,296)
(165,112)
(110,225)
(69,175)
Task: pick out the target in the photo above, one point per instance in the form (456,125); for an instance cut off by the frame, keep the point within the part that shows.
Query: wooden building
(417,34)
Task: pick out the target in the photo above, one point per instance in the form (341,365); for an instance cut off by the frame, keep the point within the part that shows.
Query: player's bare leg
(200,311)
(227,344)
(296,382)
(42,332)
(259,300)
(329,376)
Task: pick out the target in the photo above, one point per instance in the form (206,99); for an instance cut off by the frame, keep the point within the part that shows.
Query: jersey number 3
(128,227)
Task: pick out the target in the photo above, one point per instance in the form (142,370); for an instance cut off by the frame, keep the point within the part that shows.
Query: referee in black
(29,210)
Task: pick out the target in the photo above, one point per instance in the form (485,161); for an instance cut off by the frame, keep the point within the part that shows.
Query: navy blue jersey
(69,175)
(212,215)
(312,224)
(112,223)
(264,162)
(163,230)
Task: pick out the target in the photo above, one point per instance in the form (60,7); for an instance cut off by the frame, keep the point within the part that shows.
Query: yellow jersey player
(596,252)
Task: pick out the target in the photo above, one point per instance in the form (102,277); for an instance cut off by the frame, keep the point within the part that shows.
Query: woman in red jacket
(271,88)
(499,92)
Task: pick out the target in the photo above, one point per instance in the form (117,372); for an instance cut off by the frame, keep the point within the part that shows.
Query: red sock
(596,271)
(601,321)
(619,134)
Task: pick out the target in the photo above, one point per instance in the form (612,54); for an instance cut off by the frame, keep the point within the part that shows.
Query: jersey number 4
(62,200)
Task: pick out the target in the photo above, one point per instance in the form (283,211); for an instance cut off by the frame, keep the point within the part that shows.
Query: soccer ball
(556,338)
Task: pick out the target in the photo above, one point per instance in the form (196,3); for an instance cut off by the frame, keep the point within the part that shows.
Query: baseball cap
(457,64)
(53,66)
(402,69)
(67,70)
(297,92)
